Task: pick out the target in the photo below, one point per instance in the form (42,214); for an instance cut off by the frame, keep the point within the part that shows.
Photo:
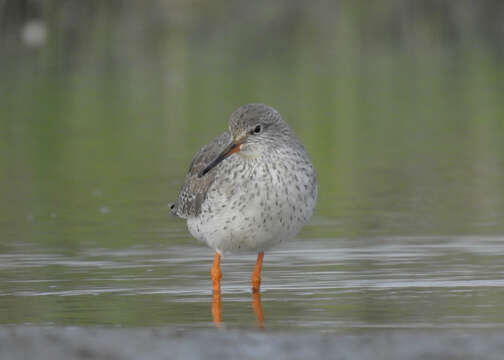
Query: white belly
(256,211)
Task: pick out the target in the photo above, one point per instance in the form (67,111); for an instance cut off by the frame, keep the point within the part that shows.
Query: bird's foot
(256,283)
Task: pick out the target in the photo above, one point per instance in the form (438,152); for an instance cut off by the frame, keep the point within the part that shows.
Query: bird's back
(194,190)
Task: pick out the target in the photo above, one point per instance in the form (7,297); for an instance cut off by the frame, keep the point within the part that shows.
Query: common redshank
(250,188)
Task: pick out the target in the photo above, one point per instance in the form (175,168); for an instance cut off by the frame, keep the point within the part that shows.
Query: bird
(250,188)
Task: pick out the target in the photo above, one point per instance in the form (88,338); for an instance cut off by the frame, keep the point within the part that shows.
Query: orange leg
(216,301)
(256,275)
(216,273)
(256,305)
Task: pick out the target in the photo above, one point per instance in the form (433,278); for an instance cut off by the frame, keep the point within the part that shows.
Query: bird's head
(255,129)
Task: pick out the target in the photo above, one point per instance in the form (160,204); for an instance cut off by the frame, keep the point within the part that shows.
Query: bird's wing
(194,190)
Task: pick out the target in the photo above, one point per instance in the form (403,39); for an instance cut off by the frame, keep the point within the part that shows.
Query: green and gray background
(399,103)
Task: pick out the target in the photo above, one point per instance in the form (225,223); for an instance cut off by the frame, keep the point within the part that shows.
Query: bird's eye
(257,129)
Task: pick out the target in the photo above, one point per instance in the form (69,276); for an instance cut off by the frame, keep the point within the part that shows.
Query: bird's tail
(173,208)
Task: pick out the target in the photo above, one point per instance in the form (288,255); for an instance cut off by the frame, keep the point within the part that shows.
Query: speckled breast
(254,204)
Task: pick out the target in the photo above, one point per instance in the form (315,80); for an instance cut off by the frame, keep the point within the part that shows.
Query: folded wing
(193,191)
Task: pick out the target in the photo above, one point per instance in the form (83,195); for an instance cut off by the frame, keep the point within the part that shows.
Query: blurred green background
(103,103)
(399,103)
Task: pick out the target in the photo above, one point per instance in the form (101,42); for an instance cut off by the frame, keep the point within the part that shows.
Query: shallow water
(406,136)
(312,283)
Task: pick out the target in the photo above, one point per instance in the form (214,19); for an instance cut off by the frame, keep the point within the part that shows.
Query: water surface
(312,283)
(402,116)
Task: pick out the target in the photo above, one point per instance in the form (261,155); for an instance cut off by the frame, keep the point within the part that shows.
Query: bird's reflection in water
(217,308)
(256,305)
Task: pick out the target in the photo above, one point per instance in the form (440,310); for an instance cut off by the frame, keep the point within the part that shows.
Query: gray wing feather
(193,191)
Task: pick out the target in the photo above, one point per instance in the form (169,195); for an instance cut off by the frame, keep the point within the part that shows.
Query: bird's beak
(229,150)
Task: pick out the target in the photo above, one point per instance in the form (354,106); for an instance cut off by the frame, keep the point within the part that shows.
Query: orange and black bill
(229,150)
